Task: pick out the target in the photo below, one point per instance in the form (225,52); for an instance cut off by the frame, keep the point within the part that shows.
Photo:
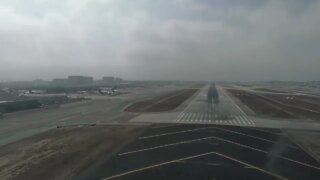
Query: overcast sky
(160,39)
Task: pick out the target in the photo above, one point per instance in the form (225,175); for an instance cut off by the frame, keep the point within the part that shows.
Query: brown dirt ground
(312,103)
(63,153)
(165,102)
(259,105)
(280,106)
(269,90)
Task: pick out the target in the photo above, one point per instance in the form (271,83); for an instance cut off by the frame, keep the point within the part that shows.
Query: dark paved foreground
(209,152)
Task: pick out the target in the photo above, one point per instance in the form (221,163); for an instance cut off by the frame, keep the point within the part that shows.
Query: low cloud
(186,40)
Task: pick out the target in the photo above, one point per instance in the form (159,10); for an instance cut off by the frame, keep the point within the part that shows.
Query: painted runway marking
(252,166)
(209,118)
(233,102)
(177,132)
(171,125)
(259,150)
(274,133)
(251,136)
(166,145)
(192,157)
(235,143)
(157,165)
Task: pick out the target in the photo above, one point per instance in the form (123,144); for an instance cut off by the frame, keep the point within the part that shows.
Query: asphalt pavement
(186,151)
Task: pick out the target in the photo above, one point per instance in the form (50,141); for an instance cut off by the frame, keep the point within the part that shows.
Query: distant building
(73,80)
(117,79)
(40,82)
(108,79)
(60,82)
(80,80)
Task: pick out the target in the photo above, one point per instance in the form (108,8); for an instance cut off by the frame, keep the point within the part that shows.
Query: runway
(226,112)
(198,111)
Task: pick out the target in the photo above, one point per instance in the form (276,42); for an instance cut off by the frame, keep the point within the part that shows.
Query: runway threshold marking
(179,117)
(192,157)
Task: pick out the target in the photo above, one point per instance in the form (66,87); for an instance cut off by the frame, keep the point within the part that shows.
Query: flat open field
(301,105)
(281,106)
(165,102)
(269,90)
(63,153)
(260,105)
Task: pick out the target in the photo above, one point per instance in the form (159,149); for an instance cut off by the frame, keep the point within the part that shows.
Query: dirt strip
(63,153)
(162,103)
(280,106)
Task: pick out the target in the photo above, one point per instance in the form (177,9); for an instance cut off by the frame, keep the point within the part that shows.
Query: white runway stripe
(189,116)
(237,119)
(209,118)
(203,116)
(251,121)
(242,120)
(193,116)
(180,117)
(198,116)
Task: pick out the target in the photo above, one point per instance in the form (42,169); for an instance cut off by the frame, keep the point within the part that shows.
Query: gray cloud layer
(160,39)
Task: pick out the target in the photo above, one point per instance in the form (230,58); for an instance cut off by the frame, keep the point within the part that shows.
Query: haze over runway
(159,89)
